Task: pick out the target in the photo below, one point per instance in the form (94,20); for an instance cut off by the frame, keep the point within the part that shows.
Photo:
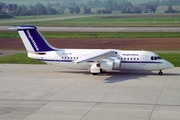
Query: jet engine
(95,68)
(116,62)
(109,64)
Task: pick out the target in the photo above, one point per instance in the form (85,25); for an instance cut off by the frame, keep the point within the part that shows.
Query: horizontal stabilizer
(22,27)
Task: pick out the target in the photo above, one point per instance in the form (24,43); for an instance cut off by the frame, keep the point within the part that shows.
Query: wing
(96,55)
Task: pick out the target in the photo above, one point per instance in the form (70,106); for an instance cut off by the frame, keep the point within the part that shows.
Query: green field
(174,58)
(22,58)
(104,21)
(101,20)
(97,21)
(14,34)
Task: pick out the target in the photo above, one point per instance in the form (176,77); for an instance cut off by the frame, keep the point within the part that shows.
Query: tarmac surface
(43,92)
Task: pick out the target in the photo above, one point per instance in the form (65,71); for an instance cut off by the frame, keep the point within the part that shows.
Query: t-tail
(33,40)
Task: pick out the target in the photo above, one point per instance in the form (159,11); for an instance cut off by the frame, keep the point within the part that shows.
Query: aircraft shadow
(75,72)
(126,76)
(116,76)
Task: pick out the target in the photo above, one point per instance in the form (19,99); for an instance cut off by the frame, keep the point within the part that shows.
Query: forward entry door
(143,60)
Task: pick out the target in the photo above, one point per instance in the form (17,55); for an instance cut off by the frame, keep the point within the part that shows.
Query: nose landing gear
(160,72)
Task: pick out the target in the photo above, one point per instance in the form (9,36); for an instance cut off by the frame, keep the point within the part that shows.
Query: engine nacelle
(107,65)
(111,64)
(95,68)
(117,63)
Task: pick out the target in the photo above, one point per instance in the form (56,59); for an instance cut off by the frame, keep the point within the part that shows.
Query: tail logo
(32,40)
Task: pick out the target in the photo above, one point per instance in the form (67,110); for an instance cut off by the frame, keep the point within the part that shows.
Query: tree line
(105,7)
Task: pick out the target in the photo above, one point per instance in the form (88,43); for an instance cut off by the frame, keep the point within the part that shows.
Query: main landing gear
(94,73)
(160,72)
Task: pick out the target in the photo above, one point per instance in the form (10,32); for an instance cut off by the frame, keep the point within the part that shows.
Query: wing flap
(95,55)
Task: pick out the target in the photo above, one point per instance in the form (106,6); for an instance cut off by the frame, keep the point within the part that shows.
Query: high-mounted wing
(95,55)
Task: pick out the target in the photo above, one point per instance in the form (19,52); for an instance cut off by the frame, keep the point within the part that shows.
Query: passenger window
(127,58)
(134,58)
(124,58)
(137,58)
(131,58)
(121,58)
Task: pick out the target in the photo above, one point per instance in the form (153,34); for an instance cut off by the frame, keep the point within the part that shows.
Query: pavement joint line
(89,110)
(35,111)
(64,88)
(68,101)
(158,98)
(111,89)
(100,100)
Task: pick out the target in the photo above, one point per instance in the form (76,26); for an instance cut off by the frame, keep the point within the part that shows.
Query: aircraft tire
(94,73)
(160,72)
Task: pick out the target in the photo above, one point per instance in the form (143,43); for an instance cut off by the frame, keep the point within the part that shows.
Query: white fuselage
(130,60)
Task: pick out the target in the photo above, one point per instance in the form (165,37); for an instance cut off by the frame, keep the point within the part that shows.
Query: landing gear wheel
(94,73)
(160,72)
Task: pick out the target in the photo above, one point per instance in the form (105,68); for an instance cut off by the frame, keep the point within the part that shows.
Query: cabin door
(57,59)
(143,60)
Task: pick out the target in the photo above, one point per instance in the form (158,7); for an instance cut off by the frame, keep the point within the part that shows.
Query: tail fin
(33,40)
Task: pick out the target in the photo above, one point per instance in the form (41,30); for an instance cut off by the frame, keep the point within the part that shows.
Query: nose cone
(167,65)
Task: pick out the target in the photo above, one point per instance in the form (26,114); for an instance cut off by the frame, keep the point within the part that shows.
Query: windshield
(155,58)
(159,57)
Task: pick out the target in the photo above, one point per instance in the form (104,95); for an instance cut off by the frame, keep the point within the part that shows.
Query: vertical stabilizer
(33,40)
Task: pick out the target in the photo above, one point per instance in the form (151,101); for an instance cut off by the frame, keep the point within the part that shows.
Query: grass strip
(103,21)
(20,58)
(13,34)
(174,58)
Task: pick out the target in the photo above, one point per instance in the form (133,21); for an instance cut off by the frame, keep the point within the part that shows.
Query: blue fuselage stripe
(146,62)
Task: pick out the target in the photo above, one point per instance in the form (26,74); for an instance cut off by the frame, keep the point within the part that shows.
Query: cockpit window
(159,57)
(155,57)
(152,58)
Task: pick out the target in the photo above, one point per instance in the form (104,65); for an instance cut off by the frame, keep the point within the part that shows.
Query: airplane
(94,60)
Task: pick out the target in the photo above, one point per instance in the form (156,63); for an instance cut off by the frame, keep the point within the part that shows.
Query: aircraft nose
(168,64)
